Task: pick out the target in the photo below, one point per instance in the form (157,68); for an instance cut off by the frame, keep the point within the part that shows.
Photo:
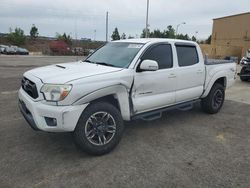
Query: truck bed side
(219,69)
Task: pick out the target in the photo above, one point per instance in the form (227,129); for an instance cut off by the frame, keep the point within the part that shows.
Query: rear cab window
(187,55)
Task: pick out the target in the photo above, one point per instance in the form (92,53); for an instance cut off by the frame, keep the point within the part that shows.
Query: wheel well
(222,81)
(109,99)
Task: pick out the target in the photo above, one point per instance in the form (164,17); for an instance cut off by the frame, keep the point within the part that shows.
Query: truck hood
(66,72)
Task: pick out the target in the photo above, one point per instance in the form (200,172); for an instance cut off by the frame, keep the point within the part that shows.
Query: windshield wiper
(99,63)
(88,61)
(106,64)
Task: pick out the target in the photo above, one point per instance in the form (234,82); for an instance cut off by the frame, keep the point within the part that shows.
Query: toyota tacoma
(122,81)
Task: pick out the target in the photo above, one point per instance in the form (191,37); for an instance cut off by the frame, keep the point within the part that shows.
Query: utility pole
(146,34)
(107,25)
(76,41)
(95,35)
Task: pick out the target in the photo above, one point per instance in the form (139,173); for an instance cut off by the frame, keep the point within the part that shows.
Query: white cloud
(128,15)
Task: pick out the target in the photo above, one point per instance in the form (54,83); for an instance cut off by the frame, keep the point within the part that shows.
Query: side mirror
(149,65)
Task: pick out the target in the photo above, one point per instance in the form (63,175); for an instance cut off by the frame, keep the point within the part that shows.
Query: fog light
(51,122)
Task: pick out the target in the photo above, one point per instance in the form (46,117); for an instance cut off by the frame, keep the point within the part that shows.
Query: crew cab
(122,81)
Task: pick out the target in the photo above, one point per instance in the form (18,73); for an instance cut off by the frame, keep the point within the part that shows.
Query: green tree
(156,34)
(170,32)
(115,35)
(34,32)
(65,38)
(194,38)
(17,36)
(167,33)
(143,35)
(208,41)
(123,36)
(183,37)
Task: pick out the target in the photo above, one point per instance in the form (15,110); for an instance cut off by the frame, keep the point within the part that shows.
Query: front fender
(120,93)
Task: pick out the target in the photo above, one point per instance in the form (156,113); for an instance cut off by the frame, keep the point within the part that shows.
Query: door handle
(172,76)
(199,71)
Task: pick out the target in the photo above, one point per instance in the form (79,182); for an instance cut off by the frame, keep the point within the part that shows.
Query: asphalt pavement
(182,149)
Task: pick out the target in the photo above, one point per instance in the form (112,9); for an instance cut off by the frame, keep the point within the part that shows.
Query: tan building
(231,36)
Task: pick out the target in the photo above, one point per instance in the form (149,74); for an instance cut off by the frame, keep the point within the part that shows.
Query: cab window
(187,55)
(162,54)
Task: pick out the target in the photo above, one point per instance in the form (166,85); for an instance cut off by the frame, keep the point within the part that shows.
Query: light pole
(177,27)
(146,32)
(107,25)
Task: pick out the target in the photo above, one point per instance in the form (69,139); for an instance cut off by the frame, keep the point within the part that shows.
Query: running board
(186,107)
(156,114)
(152,117)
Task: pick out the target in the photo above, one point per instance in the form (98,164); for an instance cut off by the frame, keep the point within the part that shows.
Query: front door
(155,89)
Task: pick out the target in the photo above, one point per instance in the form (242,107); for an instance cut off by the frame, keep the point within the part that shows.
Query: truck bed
(217,61)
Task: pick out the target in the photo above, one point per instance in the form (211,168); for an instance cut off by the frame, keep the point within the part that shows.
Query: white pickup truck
(122,81)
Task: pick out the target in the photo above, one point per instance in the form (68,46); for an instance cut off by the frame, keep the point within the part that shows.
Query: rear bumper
(35,113)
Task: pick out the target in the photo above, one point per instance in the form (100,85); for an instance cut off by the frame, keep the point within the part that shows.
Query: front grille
(30,88)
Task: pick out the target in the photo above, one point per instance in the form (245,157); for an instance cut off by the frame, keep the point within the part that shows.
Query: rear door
(190,74)
(155,89)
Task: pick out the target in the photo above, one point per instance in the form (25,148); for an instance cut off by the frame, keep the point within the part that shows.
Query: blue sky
(84,17)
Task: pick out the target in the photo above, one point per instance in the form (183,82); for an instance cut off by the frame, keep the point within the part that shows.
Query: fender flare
(210,84)
(118,91)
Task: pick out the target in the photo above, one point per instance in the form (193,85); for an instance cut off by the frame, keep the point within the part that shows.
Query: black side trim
(151,114)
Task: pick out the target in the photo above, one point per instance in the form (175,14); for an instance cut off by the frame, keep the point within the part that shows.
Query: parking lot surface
(182,149)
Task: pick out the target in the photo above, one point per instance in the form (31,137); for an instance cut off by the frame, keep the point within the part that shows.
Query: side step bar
(156,114)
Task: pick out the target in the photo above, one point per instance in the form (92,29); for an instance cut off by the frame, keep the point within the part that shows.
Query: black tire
(92,122)
(215,99)
(244,78)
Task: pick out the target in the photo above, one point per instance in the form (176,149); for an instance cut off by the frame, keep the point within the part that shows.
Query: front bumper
(35,113)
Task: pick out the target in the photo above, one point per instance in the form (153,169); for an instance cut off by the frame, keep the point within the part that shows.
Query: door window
(187,55)
(162,54)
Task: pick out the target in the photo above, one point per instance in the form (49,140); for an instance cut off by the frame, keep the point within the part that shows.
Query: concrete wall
(231,35)
(221,52)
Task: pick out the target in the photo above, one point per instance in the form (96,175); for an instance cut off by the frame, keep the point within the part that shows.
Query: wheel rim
(100,128)
(217,99)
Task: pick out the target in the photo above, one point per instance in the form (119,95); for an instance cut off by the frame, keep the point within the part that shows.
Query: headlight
(53,92)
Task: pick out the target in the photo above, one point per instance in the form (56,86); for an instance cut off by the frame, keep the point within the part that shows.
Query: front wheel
(99,129)
(215,99)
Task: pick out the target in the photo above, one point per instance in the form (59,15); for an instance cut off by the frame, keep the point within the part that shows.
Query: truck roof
(152,40)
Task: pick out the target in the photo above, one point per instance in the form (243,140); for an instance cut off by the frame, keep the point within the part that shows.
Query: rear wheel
(99,129)
(244,71)
(215,99)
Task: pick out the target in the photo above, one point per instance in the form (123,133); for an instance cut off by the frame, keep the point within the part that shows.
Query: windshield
(116,54)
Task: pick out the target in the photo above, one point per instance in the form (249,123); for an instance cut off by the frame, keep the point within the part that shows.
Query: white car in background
(2,48)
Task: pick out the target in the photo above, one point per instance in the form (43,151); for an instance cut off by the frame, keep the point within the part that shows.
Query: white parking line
(9,92)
